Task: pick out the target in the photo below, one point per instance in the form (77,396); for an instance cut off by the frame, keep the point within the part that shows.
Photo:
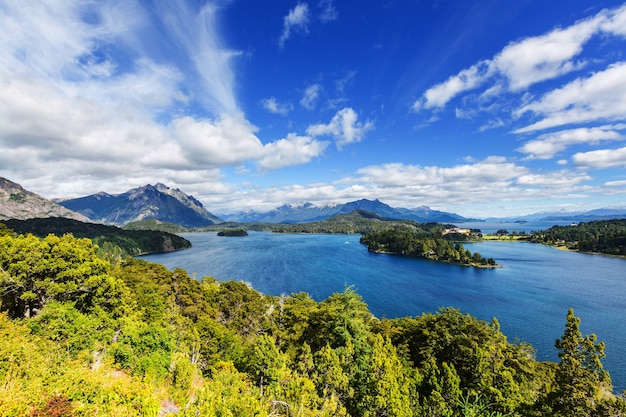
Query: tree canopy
(84,337)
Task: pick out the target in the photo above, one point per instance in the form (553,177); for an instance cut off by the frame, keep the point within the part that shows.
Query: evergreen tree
(387,385)
(265,363)
(580,375)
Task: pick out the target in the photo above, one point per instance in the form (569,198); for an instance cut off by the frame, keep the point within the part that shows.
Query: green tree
(580,375)
(440,390)
(264,362)
(228,393)
(4,230)
(332,382)
(343,321)
(387,385)
(34,271)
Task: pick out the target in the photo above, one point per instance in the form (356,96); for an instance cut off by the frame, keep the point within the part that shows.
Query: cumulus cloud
(548,145)
(472,183)
(344,127)
(558,179)
(230,140)
(599,97)
(601,158)
(540,58)
(296,20)
(528,61)
(495,170)
(292,150)
(273,106)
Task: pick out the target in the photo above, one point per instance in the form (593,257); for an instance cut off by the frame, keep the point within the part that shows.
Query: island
(420,244)
(232,232)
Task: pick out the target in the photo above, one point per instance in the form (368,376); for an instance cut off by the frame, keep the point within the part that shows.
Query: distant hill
(158,202)
(308,212)
(130,242)
(18,203)
(357,221)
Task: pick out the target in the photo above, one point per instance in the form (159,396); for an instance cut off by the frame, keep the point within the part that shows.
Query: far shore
(522,238)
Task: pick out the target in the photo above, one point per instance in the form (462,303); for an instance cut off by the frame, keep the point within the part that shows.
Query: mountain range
(606,213)
(308,212)
(162,203)
(158,202)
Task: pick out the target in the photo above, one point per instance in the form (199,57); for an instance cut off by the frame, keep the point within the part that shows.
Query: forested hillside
(602,236)
(111,240)
(84,337)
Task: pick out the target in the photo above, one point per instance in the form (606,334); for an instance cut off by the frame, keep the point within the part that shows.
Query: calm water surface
(529,295)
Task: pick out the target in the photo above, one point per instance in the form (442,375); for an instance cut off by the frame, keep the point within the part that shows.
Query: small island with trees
(425,245)
(232,232)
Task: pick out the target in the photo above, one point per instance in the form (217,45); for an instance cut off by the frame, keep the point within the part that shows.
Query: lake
(530,294)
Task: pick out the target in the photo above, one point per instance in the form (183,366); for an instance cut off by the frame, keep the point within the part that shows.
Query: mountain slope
(130,242)
(18,203)
(157,202)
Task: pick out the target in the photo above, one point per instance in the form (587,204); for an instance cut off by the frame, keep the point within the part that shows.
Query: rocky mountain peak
(18,203)
(158,202)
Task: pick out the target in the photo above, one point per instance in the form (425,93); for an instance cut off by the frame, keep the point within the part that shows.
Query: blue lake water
(529,295)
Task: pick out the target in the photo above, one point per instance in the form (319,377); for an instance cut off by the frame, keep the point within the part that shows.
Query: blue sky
(484,108)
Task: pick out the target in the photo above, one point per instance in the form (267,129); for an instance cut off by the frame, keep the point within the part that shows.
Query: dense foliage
(423,244)
(602,236)
(110,239)
(80,336)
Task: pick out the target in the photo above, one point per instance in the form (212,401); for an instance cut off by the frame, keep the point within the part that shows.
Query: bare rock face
(18,203)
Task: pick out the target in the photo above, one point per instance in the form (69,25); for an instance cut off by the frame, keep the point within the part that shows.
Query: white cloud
(273,106)
(493,171)
(82,90)
(614,21)
(558,180)
(599,97)
(528,61)
(344,127)
(195,34)
(544,57)
(297,19)
(600,159)
(310,97)
(329,11)
(50,37)
(230,140)
(548,145)
(293,150)
(440,94)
